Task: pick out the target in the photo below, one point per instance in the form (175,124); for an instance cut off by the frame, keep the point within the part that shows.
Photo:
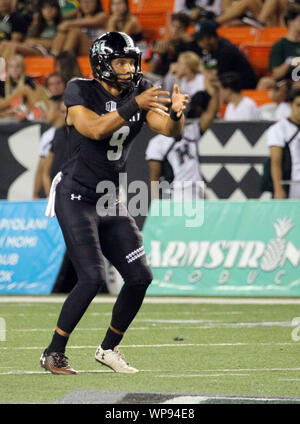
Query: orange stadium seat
(260,97)
(39,67)
(239,35)
(154,25)
(137,6)
(258,55)
(272,34)
(84,65)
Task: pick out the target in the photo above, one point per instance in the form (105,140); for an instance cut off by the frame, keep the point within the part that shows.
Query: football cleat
(114,359)
(56,363)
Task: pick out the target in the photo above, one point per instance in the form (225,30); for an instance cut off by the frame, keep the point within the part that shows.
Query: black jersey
(92,161)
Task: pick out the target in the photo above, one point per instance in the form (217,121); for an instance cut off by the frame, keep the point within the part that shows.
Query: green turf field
(185,348)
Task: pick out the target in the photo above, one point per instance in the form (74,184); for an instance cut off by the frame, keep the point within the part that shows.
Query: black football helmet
(111,46)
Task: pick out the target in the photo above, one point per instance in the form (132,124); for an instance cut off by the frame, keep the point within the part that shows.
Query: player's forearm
(102,126)
(174,128)
(276,173)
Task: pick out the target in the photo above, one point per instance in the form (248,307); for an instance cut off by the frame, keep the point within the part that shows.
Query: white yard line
(44,372)
(157,300)
(160,345)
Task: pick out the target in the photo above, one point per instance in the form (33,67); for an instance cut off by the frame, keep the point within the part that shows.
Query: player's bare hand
(179,100)
(150,99)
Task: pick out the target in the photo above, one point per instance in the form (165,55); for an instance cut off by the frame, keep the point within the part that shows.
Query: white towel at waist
(50,210)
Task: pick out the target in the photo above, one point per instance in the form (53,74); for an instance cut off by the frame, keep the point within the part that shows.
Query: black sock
(125,309)
(58,343)
(111,340)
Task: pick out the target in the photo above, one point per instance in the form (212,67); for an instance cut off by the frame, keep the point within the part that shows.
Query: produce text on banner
(249,248)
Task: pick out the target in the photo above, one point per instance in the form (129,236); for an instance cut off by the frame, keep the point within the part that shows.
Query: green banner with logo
(249,248)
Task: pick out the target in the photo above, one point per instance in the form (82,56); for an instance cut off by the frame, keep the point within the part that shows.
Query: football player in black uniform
(104,115)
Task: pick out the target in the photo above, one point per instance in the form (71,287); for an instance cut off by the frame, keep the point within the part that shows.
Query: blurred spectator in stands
(280,108)
(177,160)
(27,8)
(186,72)
(24,99)
(195,8)
(287,48)
(46,98)
(273,12)
(257,13)
(239,107)
(286,132)
(55,86)
(239,12)
(41,33)
(13,25)
(17,85)
(15,77)
(56,119)
(121,19)
(76,35)
(67,65)
(164,52)
(209,46)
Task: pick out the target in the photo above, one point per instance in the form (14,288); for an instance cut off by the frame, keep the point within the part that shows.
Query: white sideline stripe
(164,300)
(157,327)
(34,330)
(216,373)
(162,345)
(218,323)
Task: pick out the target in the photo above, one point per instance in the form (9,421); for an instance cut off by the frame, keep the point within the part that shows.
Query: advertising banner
(31,248)
(249,248)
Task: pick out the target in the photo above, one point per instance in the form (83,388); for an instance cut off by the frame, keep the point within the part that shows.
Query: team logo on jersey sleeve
(110,106)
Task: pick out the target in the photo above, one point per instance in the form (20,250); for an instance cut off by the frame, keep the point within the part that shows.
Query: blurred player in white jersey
(176,160)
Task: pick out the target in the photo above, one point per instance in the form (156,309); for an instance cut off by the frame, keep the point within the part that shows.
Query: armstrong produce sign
(249,248)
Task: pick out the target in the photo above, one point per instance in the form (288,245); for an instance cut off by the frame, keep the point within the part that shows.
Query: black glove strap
(128,110)
(173,115)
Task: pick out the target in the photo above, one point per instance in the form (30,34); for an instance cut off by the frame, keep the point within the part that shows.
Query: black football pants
(88,237)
